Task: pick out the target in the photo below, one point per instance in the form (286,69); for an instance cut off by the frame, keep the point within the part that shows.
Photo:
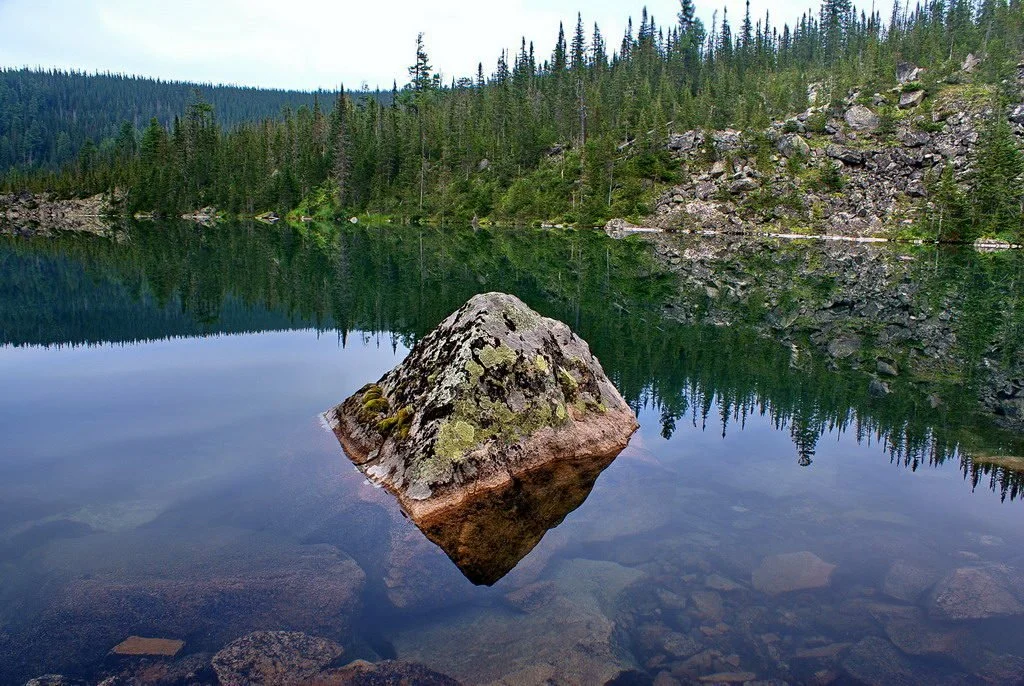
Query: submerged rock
(977,593)
(792,572)
(387,673)
(274,657)
(875,661)
(495,391)
(907,582)
(136,645)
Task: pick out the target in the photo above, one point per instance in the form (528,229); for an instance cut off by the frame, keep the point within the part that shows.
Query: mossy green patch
(522,319)
(475,372)
(541,364)
(570,386)
(454,439)
(491,357)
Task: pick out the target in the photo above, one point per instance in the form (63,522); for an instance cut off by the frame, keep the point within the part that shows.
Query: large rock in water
(494,391)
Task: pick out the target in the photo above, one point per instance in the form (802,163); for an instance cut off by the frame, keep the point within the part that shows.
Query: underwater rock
(494,392)
(136,645)
(876,662)
(792,572)
(907,582)
(564,632)
(977,593)
(210,593)
(274,657)
(387,673)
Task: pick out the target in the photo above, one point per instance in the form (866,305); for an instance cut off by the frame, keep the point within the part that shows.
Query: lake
(824,488)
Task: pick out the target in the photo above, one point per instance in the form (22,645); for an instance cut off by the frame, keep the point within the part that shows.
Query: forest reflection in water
(179,280)
(187,490)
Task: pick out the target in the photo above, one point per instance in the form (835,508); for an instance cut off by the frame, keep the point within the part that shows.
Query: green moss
(475,372)
(454,439)
(491,357)
(561,414)
(523,320)
(541,364)
(376,405)
(570,387)
(397,425)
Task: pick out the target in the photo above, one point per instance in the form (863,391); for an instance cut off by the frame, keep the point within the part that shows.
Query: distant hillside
(46,116)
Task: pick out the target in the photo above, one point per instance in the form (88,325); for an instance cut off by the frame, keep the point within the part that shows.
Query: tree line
(574,135)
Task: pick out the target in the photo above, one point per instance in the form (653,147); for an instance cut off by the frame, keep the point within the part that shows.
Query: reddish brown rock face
(497,403)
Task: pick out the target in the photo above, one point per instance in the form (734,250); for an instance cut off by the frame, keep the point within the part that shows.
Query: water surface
(164,472)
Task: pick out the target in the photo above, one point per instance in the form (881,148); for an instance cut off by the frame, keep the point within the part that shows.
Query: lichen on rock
(494,390)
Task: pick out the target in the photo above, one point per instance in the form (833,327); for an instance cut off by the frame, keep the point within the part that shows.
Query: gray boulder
(911,99)
(860,118)
(907,73)
(793,145)
(494,391)
(1017,114)
(845,155)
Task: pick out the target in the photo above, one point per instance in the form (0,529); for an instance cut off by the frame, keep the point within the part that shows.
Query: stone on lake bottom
(792,572)
(977,593)
(136,645)
(274,657)
(907,582)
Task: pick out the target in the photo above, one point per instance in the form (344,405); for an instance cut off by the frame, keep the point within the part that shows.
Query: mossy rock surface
(496,388)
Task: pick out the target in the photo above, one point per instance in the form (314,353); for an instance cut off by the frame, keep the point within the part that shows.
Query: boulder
(976,593)
(792,572)
(495,391)
(860,118)
(878,388)
(844,154)
(911,99)
(1017,114)
(274,657)
(907,73)
(793,145)
(971,64)
(743,185)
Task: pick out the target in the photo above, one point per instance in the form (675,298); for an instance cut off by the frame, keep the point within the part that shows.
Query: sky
(309,44)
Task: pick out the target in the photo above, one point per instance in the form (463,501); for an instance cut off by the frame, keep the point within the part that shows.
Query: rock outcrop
(855,171)
(29,214)
(494,391)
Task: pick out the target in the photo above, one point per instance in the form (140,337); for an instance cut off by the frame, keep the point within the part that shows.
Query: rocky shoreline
(28,214)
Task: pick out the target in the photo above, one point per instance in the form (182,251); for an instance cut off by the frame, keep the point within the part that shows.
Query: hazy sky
(309,43)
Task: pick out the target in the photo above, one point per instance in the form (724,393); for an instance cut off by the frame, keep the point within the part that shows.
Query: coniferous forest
(47,117)
(574,134)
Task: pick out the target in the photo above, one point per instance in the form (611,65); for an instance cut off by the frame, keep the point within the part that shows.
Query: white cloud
(306,43)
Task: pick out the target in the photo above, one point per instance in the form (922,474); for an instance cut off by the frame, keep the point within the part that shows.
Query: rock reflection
(487,533)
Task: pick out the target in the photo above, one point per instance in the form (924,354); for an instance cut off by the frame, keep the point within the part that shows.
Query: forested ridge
(46,116)
(578,135)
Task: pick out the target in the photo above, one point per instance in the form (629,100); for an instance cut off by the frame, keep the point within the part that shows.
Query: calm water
(163,472)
